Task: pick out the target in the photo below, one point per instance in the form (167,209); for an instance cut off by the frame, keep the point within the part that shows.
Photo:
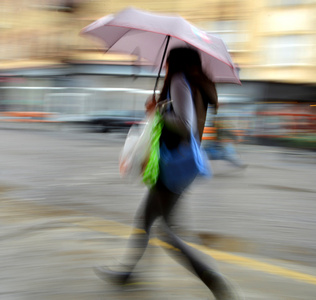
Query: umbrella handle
(160,68)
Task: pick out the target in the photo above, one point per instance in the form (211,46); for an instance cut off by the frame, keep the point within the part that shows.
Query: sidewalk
(46,256)
(76,126)
(63,188)
(49,254)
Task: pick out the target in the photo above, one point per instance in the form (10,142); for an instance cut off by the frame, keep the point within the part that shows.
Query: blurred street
(64,209)
(66,96)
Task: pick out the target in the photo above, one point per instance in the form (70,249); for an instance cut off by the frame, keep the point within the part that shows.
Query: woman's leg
(146,214)
(156,204)
(192,259)
(185,254)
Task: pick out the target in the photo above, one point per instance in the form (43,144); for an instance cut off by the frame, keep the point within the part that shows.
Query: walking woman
(191,92)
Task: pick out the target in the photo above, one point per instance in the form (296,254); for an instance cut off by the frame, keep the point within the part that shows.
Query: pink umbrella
(149,36)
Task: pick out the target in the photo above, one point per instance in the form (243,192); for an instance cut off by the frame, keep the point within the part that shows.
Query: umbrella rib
(129,29)
(157,32)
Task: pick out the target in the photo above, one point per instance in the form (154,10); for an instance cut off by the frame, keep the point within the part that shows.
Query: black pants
(159,203)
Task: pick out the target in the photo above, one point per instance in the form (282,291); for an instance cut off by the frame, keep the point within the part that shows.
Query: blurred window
(286,2)
(287,50)
(231,31)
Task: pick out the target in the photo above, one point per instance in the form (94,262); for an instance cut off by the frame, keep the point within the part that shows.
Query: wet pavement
(64,208)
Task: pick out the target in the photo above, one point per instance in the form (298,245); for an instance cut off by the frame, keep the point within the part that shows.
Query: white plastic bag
(136,150)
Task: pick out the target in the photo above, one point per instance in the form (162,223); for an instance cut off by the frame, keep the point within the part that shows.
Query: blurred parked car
(113,120)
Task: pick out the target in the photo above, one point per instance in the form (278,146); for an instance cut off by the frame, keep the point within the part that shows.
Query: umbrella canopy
(149,36)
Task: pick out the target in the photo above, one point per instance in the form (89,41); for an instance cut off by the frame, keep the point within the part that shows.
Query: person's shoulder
(179,79)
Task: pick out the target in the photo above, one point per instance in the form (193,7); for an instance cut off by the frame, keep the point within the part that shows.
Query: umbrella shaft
(163,58)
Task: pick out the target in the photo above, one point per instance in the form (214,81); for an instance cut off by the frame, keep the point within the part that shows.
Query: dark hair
(186,61)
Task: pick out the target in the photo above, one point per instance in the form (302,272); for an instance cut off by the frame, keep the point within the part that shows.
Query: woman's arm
(182,119)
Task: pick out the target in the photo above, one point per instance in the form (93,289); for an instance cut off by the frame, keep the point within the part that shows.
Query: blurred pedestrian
(223,148)
(191,92)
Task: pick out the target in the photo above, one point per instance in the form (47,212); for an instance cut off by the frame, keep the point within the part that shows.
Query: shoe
(221,287)
(114,277)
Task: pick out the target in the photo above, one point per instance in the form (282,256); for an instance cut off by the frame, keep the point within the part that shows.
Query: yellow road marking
(256,265)
(124,231)
(118,229)
(157,242)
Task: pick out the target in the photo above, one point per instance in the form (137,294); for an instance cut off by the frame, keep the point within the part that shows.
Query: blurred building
(271,41)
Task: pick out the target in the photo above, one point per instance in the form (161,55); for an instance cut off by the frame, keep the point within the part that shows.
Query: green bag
(151,171)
